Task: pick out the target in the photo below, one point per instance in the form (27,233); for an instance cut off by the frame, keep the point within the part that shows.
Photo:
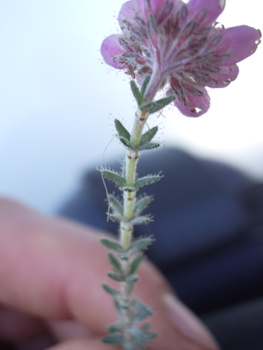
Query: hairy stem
(129,199)
(131,160)
(126,331)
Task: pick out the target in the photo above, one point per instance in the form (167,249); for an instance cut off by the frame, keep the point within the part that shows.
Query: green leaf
(114,263)
(150,335)
(140,220)
(118,308)
(132,278)
(111,175)
(156,106)
(136,262)
(149,135)
(115,204)
(145,327)
(138,336)
(147,180)
(143,311)
(124,255)
(115,327)
(110,290)
(127,143)
(116,217)
(141,204)
(130,287)
(128,345)
(113,339)
(136,93)
(121,130)
(147,106)
(128,188)
(148,145)
(111,245)
(116,276)
(141,244)
(145,84)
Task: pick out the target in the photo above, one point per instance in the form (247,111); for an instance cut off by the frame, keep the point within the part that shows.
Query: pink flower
(181,47)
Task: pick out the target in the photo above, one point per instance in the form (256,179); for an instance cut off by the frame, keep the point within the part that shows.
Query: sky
(58,100)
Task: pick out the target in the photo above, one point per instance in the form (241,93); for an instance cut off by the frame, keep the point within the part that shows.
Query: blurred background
(58,100)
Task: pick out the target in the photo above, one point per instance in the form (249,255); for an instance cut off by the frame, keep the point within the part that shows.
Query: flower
(181,46)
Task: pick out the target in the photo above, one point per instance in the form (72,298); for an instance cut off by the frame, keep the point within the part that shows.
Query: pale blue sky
(58,99)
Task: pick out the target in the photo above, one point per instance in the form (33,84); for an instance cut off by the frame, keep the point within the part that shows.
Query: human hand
(51,272)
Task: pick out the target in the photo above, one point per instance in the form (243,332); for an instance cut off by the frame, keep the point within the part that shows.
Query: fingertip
(172,321)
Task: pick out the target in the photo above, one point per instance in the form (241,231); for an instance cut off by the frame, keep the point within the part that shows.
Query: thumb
(53,269)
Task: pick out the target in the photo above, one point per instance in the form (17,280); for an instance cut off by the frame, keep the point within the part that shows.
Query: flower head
(181,47)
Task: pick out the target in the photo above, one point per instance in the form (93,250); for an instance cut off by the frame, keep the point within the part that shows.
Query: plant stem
(131,160)
(129,198)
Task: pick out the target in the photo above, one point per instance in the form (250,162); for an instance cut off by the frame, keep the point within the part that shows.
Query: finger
(53,268)
(68,329)
(43,258)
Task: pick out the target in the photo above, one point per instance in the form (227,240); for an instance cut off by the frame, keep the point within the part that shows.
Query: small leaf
(114,263)
(115,276)
(118,308)
(148,145)
(141,204)
(150,335)
(128,188)
(127,143)
(132,278)
(143,311)
(113,339)
(128,345)
(147,106)
(140,220)
(110,290)
(145,327)
(115,204)
(130,287)
(138,336)
(115,327)
(116,217)
(111,175)
(136,93)
(149,135)
(111,245)
(147,180)
(121,130)
(124,255)
(156,106)
(136,262)
(140,244)
(145,84)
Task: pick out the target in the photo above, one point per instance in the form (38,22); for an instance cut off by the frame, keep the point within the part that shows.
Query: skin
(50,289)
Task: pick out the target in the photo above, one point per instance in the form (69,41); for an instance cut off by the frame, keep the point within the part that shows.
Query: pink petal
(240,42)
(213,9)
(110,50)
(224,77)
(195,105)
(127,12)
(155,8)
